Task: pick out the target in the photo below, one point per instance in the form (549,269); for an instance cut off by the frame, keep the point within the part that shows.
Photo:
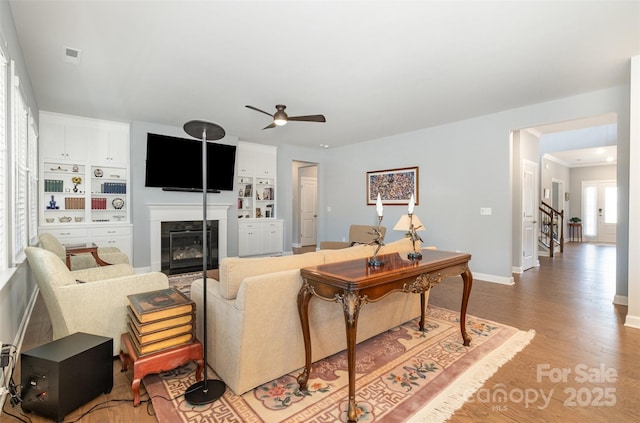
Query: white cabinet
(84,197)
(271,237)
(110,144)
(256,180)
(112,236)
(60,141)
(260,237)
(68,234)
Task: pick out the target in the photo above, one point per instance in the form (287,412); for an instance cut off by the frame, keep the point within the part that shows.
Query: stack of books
(160,319)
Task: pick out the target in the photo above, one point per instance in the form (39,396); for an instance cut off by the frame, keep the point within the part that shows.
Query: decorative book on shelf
(161,304)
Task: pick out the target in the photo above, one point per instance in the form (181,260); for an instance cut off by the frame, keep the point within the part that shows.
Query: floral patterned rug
(403,375)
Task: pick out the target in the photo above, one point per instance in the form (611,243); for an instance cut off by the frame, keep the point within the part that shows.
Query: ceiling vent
(72,55)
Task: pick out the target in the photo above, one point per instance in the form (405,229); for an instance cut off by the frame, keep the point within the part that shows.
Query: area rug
(403,375)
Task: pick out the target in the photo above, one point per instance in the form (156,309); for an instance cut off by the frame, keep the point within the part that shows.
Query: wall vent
(72,55)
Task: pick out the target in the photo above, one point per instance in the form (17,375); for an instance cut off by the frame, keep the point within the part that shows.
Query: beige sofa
(253,326)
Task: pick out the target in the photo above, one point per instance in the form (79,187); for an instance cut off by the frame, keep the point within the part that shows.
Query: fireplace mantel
(159,213)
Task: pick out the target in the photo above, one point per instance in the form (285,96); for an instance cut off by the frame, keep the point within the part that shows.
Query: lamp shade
(404,224)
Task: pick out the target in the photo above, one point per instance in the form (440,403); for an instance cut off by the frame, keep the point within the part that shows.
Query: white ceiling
(373,68)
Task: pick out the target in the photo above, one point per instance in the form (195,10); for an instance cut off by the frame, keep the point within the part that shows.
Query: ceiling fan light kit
(280,117)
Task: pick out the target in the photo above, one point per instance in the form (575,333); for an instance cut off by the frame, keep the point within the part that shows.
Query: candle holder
(413,235)
(378,240)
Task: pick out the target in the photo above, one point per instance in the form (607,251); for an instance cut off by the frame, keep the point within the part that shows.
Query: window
(33,179)
(3,162)
(19,143)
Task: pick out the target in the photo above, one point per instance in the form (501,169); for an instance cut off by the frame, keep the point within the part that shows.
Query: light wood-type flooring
(582,366)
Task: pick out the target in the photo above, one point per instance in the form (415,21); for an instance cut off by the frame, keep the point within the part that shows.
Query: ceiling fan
(280,117)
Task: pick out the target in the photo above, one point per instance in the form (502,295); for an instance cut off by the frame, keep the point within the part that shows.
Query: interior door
(529,212)
(308,211)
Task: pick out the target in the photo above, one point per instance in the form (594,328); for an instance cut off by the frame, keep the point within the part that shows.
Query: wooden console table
(354,283)
(89,247)
(160,361)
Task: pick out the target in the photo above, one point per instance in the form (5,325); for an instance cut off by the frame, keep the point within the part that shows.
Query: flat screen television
(175,164)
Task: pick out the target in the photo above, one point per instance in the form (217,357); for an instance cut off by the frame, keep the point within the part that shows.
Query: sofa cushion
(234,269)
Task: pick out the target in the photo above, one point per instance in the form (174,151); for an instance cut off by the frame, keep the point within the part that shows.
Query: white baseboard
(493,278)
(621,300)
(632,322)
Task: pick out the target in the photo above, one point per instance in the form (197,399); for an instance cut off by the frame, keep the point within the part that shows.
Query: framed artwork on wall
(394,185)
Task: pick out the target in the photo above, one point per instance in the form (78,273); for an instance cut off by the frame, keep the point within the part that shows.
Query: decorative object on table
(49,220)
(394,185)
(410,224)
(117,203)
(76,180)
(79,218)
(378,236)
(52,204)
(65,219)
(205,391)
(98,173)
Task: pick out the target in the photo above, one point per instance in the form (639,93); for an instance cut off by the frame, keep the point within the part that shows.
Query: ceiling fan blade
(258,110)
(310,118)
(273,125)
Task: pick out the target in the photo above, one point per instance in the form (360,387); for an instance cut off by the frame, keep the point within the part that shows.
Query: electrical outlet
(485,211)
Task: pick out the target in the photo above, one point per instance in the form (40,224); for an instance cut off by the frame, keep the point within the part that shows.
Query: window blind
(3,162)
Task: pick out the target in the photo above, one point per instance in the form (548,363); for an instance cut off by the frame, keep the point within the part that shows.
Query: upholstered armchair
(111,255)
(91,300)
(358,234)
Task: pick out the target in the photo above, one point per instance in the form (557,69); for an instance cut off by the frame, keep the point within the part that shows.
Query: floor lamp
(204,391)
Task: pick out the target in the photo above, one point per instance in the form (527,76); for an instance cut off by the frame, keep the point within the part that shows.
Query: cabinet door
(271,238)
(265,163)
(244,162)
(52,141)
(109,147)
(118,147)
(248,239)
(76,143)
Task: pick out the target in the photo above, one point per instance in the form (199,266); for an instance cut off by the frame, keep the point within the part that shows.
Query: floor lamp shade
(205,391)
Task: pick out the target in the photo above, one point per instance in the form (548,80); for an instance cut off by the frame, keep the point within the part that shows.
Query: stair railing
(551,227)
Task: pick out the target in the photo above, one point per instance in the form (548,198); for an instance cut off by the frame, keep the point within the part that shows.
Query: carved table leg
(351,304)
(305,294)
(422,311)
(467,278)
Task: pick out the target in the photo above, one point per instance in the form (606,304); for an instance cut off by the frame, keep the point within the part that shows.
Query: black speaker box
(62,375)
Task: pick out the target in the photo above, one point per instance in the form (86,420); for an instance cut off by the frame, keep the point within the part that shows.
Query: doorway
(304,204)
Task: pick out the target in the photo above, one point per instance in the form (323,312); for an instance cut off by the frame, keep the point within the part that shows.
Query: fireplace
(160,214)
(181,246)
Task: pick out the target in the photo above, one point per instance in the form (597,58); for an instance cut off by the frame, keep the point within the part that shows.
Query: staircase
(551,236)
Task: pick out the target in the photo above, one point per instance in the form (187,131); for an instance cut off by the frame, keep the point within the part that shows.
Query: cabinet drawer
(111,231)
(65,233)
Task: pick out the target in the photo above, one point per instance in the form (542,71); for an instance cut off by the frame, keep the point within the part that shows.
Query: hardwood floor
(567,301)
